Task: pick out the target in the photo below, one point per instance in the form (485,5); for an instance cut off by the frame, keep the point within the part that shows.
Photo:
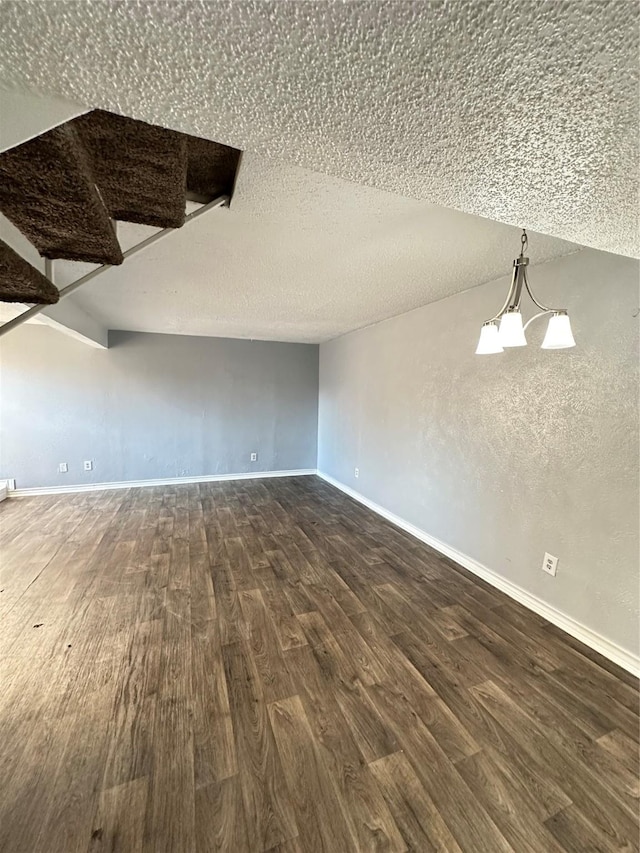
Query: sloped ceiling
(523,112)
(299,256)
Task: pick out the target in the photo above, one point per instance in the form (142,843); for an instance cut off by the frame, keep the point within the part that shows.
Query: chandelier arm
(508,299)
(535,317)
(545,308)
(511,331)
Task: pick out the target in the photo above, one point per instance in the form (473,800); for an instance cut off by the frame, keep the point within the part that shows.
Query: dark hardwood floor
(268,666)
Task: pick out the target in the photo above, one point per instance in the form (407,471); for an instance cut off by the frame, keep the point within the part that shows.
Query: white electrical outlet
(254,457)
(356,473)
(550,564)
(88,465)
(63,468)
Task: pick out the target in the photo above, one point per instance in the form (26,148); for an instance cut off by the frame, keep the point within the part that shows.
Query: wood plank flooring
(265,665)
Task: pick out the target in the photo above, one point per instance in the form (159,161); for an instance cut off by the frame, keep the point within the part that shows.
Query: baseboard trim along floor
(169,481)
(595,641)
(579,631)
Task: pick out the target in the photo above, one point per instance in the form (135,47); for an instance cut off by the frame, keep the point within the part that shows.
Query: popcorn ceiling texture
(526,113)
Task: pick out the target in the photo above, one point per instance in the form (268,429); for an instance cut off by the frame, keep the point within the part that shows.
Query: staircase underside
(47,190)
(141,169)
(64,188)
(20,282)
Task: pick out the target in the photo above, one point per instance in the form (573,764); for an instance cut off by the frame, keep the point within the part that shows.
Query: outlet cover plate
(550,564)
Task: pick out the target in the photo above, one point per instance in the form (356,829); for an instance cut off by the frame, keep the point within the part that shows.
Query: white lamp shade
(559,334)
(489,340)
(511,330)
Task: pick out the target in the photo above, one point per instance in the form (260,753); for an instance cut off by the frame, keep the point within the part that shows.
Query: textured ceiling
(300,256)
(523,112)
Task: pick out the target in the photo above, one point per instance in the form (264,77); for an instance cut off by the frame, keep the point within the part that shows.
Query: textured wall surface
(153,406)
(506,456)
(524,112)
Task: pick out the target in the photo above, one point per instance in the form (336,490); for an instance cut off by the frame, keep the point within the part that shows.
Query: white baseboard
(171,481)
(615,653)
(4,491)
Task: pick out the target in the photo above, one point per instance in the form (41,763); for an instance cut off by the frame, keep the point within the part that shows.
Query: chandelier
(505,329)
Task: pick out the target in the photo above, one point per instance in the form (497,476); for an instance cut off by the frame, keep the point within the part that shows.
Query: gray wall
(153,406)
(506,456)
